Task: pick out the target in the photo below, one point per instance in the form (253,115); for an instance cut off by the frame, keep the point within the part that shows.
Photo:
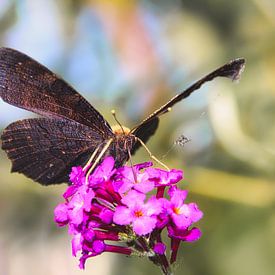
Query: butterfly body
(70,129)
(120,145)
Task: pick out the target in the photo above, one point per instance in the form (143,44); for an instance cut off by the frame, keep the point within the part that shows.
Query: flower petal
(160,248)
(61,214)
(122,215)
(194,235)
(196,213)
(133,198)
(144,225)
(77,243)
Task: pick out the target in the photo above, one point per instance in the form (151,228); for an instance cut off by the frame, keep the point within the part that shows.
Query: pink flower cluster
(114,205)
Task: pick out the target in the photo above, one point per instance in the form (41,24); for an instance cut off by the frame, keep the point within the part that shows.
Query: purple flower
(89,234)
(106,215)
(164,178)
(97,247)
(79,203)
(160,248)
(177,235)
(142,216)
(77,178)
(61,214)
(114,206)
(103,172)
(77,175)
(184,234)
(77,242)
(74,210)
(183,215)
(133,178)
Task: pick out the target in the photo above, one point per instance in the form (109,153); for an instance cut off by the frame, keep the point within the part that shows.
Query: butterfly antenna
(98,159)
(151,155)
(114,115)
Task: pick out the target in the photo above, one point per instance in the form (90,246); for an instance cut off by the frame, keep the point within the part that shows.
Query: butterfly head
(120,130)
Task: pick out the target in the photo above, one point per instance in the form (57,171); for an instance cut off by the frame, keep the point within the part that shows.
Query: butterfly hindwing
(144,131)
(46,149)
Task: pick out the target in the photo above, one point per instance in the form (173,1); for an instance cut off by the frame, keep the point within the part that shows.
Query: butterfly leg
(105,148)
(151,155)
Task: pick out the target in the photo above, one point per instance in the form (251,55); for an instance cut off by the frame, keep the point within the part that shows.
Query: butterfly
(70,129)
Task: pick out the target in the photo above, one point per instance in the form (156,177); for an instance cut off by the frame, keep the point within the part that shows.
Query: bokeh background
(133,56)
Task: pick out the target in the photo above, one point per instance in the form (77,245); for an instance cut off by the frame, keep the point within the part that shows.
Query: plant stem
(162,262)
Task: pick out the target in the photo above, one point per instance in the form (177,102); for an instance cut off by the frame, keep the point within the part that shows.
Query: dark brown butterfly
(45,149)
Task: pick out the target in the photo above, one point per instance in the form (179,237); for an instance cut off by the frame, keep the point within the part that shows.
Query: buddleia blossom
(111,210)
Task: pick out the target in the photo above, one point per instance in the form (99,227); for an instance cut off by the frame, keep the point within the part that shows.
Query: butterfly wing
(29,85)
(46,149)
(148,126)
(144,132)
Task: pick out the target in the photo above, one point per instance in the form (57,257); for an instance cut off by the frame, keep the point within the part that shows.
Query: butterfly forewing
(27,84)
(46,149)
(144,131)
(231,70)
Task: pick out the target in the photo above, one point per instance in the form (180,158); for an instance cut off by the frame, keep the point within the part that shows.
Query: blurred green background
(133,56)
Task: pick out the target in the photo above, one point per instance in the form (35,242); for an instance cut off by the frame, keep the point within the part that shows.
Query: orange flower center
(138,213)
(176,210)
